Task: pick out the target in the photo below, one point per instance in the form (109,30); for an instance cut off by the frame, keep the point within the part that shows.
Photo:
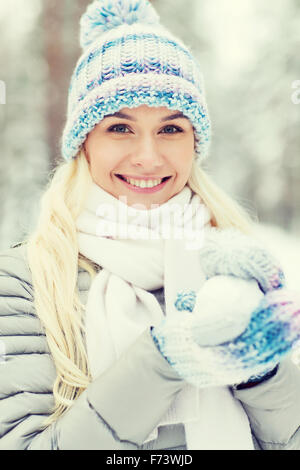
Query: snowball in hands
(223,308)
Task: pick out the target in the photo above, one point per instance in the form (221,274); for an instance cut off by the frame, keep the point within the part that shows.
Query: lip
(145,190)
(143,177)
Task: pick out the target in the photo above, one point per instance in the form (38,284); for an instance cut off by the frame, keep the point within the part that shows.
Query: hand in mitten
(219,314)
(239,271)
(230,252)
(272,333)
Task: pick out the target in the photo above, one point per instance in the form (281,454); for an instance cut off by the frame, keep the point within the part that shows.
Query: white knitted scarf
(142,250)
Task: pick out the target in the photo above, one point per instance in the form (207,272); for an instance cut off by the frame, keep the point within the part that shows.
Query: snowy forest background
(249,52)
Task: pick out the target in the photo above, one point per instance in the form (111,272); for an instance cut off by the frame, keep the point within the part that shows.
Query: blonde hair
(225,211)
(54,258)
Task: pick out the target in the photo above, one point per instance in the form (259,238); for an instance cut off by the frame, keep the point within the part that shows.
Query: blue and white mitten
(239,271)
(272,333)
(208,348)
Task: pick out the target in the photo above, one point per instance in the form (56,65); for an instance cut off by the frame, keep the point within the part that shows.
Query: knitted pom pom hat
(130,59)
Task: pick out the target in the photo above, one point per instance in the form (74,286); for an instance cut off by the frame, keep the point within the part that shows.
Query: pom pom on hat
(103,15)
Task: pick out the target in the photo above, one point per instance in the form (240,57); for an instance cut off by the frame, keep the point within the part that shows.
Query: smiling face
(146,145)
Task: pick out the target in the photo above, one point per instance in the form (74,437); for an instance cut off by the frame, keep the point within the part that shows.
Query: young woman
(141,313)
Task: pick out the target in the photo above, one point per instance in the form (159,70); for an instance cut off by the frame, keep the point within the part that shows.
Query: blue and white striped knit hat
(130,59)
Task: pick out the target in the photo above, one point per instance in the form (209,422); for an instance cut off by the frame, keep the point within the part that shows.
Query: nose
(146,153)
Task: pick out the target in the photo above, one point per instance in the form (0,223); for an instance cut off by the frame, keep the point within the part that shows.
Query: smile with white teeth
(143,183)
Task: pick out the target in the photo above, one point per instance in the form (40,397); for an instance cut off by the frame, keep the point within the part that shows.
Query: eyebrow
(126,116)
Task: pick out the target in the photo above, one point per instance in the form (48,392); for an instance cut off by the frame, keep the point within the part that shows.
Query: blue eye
(169,129)
(177,129)
(118,126)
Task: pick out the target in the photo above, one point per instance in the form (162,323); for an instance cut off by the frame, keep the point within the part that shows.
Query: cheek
(183,160)
(184,172)
(103,157)
(103,167)
(183,147)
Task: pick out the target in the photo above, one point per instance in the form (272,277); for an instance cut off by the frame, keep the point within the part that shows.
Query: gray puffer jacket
(121,407)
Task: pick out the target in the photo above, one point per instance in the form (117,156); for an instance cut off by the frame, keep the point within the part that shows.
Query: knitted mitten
(239,272)
(272,333)
(230,252)
(182,337)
